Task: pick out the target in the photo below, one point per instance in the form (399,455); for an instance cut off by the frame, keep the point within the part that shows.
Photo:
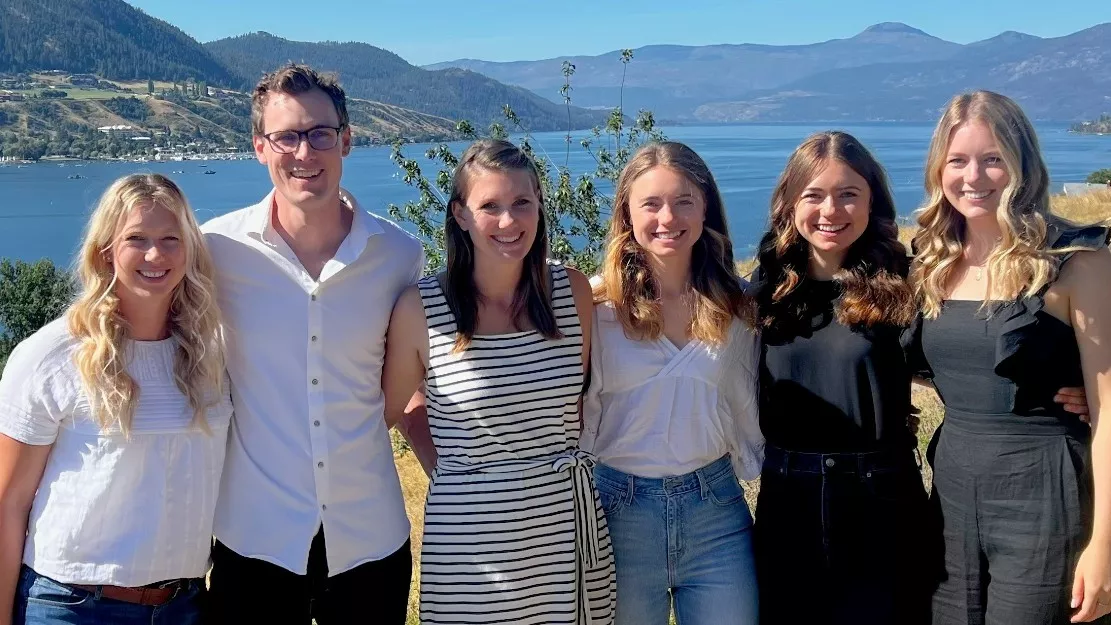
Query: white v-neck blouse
(655,410)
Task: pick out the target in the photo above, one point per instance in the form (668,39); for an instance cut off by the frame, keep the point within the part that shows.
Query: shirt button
(314,381)
(324,507)
(830,462)
(320,465)
(314,338)
(313,296)
(316,423)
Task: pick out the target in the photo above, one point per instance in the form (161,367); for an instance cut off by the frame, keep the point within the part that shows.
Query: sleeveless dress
(513,528)
(1012,469)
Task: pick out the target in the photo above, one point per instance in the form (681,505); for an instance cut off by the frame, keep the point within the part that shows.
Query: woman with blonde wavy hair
(1014,305)
(671,408)
(113,424)
(841,501)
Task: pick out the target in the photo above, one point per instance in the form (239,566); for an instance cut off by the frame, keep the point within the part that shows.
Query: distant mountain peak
(1008,37)
(894,27)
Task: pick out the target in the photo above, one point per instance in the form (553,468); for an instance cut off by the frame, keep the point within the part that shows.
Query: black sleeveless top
(1009,357)
(830,388)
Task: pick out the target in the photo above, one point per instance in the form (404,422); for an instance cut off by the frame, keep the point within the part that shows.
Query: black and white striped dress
(513,529)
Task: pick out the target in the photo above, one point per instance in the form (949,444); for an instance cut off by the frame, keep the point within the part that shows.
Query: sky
(428,31)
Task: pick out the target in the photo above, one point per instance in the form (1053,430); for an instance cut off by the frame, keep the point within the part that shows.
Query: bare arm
(403,375)
(21,468)
(584,306)
(1090,312)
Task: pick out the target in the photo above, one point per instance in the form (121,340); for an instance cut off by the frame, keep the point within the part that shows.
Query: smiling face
(306,177)
(148,256)
(666,211)
(974,175)
(832,212)
(501,213)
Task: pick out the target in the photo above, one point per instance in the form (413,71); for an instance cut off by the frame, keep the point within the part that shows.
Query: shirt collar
(363,226)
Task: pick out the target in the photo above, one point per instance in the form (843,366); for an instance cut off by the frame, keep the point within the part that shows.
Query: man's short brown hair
(292,79)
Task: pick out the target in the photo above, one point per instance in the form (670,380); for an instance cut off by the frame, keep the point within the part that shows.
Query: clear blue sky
(427,31)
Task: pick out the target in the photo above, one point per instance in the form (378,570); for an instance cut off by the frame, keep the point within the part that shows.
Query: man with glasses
(310,521)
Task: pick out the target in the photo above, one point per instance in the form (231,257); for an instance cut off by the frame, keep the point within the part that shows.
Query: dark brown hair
(873,276)
(533,297)
(627,280)
(292,79)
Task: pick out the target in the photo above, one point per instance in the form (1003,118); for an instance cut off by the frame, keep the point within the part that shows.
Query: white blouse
(655,410)
(110,510)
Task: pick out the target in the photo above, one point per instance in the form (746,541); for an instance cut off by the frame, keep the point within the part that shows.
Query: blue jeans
(687,537)
(40,600)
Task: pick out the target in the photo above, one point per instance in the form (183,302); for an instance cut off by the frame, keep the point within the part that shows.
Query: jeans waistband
(1016,424)
(695,480)
(783,461)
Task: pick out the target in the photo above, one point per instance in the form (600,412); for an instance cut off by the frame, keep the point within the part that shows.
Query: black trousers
(245,590)
(844,539)
(1015,497)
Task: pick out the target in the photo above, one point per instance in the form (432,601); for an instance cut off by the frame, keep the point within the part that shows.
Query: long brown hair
(533,296)
(627,279)
(873,276)
(1019,263)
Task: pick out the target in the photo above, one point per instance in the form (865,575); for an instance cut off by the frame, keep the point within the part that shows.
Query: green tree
(577,209)
(150,86)
(1102,176)
(31,295)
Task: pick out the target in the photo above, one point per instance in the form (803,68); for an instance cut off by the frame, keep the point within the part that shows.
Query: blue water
(42,211)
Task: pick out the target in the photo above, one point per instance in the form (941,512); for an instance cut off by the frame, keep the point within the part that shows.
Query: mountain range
(116,41)
(890,71)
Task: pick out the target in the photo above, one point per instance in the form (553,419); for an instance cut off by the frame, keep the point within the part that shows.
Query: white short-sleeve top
(112,510)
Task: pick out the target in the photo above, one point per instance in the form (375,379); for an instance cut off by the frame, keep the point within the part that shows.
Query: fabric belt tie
(580,464)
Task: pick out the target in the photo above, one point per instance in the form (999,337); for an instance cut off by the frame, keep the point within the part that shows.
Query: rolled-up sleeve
(742,397)
(592,401)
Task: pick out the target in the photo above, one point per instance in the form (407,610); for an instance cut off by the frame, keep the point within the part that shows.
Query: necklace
(980,267)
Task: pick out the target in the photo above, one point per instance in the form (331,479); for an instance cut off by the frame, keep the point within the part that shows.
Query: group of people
(218,399)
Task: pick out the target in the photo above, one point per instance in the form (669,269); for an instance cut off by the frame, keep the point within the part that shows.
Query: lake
(42,210)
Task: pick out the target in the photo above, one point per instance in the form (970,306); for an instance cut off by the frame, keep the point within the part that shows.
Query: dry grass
(1084,209)
(414,486)
(1091,208)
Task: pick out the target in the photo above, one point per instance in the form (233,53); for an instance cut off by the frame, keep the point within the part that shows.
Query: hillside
(1101,126)
(889,71)
(113,40)
(377,74)
(110,38)
(674,80)
(174,121)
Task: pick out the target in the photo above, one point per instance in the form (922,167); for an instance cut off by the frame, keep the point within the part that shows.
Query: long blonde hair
(1019,264)
(873,274)
(95,320)
(627,279)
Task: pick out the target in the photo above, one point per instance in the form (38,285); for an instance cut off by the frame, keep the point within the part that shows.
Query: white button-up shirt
(309,442)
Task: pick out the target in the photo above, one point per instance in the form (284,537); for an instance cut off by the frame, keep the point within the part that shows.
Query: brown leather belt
(143,595)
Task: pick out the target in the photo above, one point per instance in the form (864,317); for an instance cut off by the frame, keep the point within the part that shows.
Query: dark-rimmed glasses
(320,138)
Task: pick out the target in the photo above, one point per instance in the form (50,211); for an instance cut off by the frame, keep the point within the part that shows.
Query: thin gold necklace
(980,268)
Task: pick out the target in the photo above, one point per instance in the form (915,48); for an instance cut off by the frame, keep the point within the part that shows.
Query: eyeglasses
(320,138)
